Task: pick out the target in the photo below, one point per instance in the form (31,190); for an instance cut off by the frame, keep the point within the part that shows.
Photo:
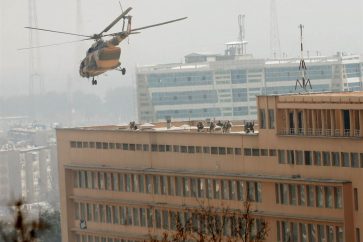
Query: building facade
(225,86)
(301,171)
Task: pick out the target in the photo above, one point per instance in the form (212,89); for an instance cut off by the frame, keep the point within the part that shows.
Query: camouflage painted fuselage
(101,57)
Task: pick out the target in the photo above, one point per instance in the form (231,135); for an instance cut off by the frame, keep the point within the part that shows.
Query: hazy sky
(330,26)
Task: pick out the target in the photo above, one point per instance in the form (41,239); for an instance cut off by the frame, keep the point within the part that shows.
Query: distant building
(10,176)
(302,171)
(225,86)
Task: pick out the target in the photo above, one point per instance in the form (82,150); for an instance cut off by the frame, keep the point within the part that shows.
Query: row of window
(157,148)
(95,238)
(301,232)
(157,218)
(226,189)
(321,158)
(309,195)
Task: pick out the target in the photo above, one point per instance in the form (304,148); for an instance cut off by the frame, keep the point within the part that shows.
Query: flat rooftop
(323,97)
(238,127)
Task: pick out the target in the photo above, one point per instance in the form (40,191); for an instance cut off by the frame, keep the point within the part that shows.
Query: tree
(216,224)
(22,229)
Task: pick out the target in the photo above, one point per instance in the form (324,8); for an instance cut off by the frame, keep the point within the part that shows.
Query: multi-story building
(225,86)
(301,171)
(10,179)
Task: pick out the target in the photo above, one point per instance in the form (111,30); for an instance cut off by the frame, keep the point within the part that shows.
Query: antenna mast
(34,56)
(274,32)
(241,34)
(305,81)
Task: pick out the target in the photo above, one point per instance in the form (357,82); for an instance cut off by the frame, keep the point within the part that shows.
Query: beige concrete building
(302,171)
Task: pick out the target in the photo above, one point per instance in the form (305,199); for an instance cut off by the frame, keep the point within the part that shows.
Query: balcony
(321,132)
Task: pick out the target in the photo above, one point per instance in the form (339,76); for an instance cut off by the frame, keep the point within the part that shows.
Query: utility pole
(305,81)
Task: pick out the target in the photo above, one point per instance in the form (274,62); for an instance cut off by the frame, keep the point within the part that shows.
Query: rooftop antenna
(305,81)
(242,34)
(274,32)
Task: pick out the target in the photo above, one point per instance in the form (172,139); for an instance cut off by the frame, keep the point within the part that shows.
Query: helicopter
(103,55)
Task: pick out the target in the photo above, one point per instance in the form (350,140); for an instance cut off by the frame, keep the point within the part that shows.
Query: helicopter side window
(89,50)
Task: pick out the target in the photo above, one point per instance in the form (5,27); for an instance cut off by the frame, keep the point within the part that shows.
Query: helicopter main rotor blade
(58,32)
(62,43)
(154,25)
(115,21)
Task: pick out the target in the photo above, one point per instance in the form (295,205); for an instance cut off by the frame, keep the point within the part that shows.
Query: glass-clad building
(224,87)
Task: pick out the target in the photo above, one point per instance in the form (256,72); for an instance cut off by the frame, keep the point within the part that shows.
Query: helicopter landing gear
(94,81)
(123,71)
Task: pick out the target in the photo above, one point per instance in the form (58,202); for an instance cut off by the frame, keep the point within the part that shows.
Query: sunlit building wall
(301,171)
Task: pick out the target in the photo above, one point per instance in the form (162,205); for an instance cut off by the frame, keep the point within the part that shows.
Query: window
(311,195)
(240,190)
(214,150)
(264,152)
(255,152)
(191,149)
(111,146)
(329,191)
(158,218)
(145,147)
(345,159)
(85,144)
(216,189)
(148,184)
(79,144)
(165,220)
(154,148)
(299,157)
(98,145)
(272,152)
(321,233)
(271,118)
(292,193)
(308,158)
(262,117)
(183,149)
(338,197)
(251,193)
(104,145)
(156,180)
(319,196)
(115,213)
(281,156)
(247,151)
(290,157)
(302,195)
(125,146)
(198,149)
(317,158)
(326,158)
(336,160)
(176,148)
(222,150)
(132,147)
(354,160)
(143,217)
(206,150)
(237,151)
(73,144)
(135,215)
